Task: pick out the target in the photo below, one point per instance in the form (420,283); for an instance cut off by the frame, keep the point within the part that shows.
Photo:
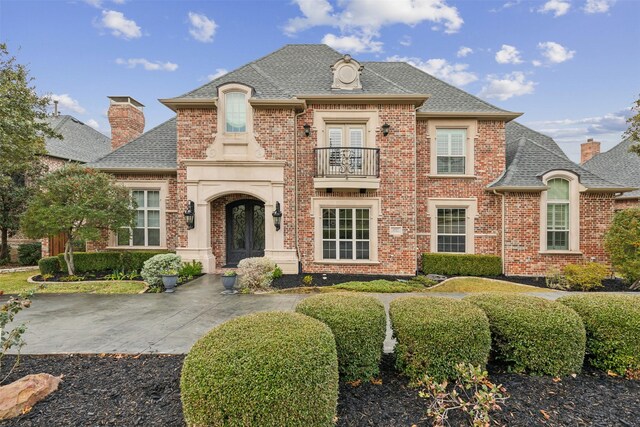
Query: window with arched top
(235,112)
(558,214)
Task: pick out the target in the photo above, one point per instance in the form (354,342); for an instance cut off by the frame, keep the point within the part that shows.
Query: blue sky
(572,66)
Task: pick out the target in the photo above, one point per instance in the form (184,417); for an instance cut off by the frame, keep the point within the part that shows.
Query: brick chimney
(126,119)
(588,150)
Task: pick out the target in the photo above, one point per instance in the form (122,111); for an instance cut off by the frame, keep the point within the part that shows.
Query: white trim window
(346,233)
(235,112)
(146,230)
(558,223)
(451,152)
(348,140)
(452,230)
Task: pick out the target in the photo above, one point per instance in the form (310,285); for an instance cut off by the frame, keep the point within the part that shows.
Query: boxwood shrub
(613,330)
(461,265)
(434,334)
(134,260)
(29,253)
(109,261)
(359,324)
(263,369)
(49,265)
(534,335)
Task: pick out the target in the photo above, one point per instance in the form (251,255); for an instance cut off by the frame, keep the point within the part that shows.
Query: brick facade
(127,123)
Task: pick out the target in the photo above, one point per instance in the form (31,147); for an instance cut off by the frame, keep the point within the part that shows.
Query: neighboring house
(617,165)
(370,164)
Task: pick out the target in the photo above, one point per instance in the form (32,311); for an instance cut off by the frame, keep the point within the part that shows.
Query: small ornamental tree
(79,202)
(622,242)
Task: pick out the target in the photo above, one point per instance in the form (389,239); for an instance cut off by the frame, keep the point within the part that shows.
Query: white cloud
(456,74)
(506,5)
(406,41)
(464,52)
(65,101)
(202,28)
(598,6)
(98,3)
(554,53)
(353,44)
(507,86)
(147,65)
(119,25)
(508,55)
(93,123)
(219,73)
(558,7)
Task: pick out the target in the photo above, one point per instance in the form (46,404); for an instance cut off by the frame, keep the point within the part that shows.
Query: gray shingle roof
(530,154)
(304,69)
(618,165)
(80,142)
(155,149)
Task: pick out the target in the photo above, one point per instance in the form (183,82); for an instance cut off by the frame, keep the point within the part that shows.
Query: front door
(245,230)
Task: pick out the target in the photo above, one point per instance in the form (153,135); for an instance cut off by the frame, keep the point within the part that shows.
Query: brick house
(369,164)
(616,165)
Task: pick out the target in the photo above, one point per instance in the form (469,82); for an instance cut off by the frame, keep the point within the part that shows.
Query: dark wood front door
(245,230)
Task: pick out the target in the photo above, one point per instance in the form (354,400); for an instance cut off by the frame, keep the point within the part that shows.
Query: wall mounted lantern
(190,215)
(277,216)
(385,129)
(307,129)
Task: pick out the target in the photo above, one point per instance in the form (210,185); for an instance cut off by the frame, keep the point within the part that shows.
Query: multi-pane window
(236,112)
(345,233)
(558,214)
(146,230)
(347,141)
(452,230)
(450,151)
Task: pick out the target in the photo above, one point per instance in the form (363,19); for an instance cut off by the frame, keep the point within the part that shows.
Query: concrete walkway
(150,323)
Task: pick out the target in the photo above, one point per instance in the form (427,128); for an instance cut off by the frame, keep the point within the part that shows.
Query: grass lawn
(477,284)
(15,283)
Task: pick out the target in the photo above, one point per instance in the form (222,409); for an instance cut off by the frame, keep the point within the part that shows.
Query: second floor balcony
(347,168)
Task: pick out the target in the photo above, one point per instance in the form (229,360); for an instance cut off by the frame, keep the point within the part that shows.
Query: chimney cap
(126,100)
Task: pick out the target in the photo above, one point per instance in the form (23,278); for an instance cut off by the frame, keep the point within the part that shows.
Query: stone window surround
(324,118)
(471,126)
(575,188)
(375,212)
(470,204)
(163,187)
(234,137)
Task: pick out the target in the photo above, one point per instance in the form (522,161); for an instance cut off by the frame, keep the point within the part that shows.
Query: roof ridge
(65,119)
(516,158)
(389,81)
(613,149)
(271,80)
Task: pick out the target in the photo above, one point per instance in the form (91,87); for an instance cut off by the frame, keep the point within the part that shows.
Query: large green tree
(23,127)
(633,131)
(79,202)
(622,242)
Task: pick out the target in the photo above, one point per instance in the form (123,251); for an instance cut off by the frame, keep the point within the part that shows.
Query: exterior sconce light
(385,129)
(190,215)
(307,129)
(277,216)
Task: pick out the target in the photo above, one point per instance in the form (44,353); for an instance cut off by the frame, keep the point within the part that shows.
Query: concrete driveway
(148,323)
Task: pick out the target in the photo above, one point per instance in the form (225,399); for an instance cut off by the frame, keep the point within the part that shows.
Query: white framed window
(452,230)
(451,152)
(146,229)
(347,142)
(345,233)
(560,213)
(235,112)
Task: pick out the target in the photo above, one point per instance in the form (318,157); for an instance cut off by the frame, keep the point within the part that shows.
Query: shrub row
(359,324)
(29,253)
(49,265)
(461,265)
(99,261)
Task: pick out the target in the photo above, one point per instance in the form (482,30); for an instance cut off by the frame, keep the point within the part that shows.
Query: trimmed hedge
(434,334)
(108,261)
(532,334)
(49,265)
(461,265)
(359,324)
(29,253)
(613,330)
(264,369)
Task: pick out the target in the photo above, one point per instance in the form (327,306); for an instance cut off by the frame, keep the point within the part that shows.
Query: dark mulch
(609,285)
(88,277)
(144,391)
(295,280)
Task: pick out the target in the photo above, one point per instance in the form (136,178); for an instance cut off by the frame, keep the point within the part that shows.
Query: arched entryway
(245,232)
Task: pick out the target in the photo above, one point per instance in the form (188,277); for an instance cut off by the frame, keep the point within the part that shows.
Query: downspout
(295,186)
(503,232)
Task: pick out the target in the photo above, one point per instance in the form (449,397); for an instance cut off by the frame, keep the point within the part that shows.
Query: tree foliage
(79,202)
(633,131)
(622,242)
(23,127)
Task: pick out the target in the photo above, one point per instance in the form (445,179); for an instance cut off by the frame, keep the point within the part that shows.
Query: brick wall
(621,204)
(127,123)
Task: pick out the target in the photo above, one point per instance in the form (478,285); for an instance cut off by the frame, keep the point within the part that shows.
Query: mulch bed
(609,285)
(144,391)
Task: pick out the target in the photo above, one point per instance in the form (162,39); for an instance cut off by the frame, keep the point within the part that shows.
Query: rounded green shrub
(49,265)
(435,334)
(613,330)
(534,335)
(29,253)
(359,324)
(264,369)
(153,267)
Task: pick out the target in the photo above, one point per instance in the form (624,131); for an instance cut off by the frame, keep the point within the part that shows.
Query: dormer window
(236,112)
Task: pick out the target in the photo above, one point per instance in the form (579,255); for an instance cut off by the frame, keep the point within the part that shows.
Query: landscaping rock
(20,396)
(437,277)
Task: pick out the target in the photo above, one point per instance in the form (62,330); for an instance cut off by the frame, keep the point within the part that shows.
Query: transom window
(451,156)
(452,230)
(235,112)
(146,230)
(558,214)
(345,233)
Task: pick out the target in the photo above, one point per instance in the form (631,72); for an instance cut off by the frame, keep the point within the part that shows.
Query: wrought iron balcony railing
(347,161)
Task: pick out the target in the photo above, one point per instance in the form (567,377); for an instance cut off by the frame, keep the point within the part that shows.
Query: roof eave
(497,115)
(415,99)
(298,104)
(138,169)
(177,103)
(513,188)
(610,189)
